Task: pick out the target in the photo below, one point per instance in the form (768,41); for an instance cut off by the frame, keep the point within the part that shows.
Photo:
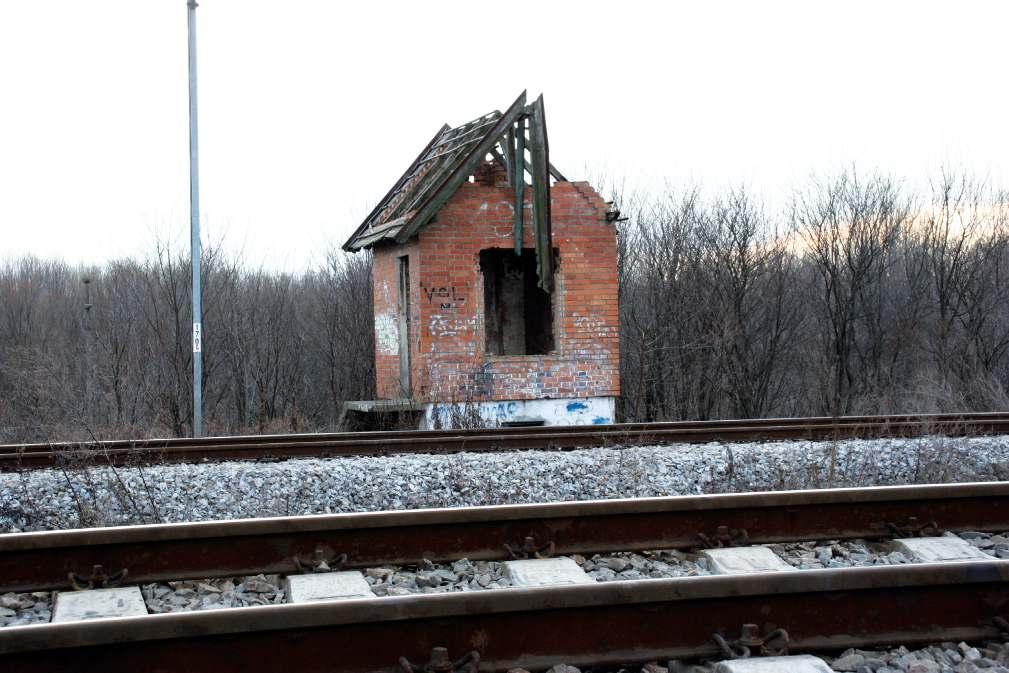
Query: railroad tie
(75,606)
(797,664)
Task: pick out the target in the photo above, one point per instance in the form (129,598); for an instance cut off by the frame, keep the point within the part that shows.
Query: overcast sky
(309,110)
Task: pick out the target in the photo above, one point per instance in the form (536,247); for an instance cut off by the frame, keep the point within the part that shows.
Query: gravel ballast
(100,495)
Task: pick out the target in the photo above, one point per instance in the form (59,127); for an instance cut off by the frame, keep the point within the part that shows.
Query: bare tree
(753,307)
(851,229)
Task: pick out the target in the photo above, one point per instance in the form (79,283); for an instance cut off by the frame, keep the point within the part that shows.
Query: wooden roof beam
(462,172)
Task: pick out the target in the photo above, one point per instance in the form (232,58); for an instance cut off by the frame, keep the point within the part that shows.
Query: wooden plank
(541,195)
(553,171)
(469,128)
(462,171)
(499,157)
(451,150)
(519,182)
(350,245)
(509,153)
(380,231)
(431,182)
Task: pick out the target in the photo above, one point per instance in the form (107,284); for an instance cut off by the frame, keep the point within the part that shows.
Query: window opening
(518,315)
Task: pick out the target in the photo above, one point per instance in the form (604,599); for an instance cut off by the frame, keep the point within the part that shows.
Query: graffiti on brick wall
(565,411)
(588,323)
(387,334)
(449,326)
(447,297)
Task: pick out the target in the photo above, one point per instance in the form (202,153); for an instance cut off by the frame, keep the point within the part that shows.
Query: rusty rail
(42,560)
(260,447)
(610,623)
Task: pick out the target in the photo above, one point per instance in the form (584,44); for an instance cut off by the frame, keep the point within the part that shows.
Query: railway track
(277,447)
(597,623)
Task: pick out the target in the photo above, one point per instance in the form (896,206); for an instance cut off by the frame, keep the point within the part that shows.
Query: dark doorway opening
(518,315)
(403,318)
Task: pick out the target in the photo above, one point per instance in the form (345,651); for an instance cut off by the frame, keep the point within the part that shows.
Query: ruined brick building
(495,291)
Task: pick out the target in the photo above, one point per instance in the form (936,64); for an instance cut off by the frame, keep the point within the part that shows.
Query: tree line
(113,357)
(862,296)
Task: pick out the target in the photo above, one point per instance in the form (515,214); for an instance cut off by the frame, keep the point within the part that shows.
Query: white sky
(309,110)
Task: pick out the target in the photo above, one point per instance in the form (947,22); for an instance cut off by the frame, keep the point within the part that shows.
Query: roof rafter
(450,158)
(453,180)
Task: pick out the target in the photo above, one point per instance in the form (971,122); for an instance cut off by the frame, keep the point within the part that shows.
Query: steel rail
(170,442)
(254,447)
(42,560)
(605,623)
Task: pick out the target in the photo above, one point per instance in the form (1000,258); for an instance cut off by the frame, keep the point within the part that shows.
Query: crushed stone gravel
(210,594)
(18,609)
(431,578)
(947,657)
(95,495)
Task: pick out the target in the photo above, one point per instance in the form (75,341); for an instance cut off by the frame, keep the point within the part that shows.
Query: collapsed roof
(516,138)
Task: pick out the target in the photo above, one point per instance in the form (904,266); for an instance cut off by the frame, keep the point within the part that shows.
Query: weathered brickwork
(447,340)
(385,289)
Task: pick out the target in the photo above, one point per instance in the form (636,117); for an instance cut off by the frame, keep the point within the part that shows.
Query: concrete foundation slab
(75,606)
(560,411)
(326,587)
(743,560)
(803,663)
(545,572)
(939,549)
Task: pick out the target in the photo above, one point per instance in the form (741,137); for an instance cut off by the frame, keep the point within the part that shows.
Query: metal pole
(89,365)
(194,231)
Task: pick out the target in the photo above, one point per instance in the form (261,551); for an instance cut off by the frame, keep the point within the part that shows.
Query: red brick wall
(385,292)
(447,339)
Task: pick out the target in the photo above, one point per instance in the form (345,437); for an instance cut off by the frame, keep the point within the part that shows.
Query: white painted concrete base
(75,606)
(803,663)
(326,587)
(939,549)
(545,572)
(743,560)
(565,411)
